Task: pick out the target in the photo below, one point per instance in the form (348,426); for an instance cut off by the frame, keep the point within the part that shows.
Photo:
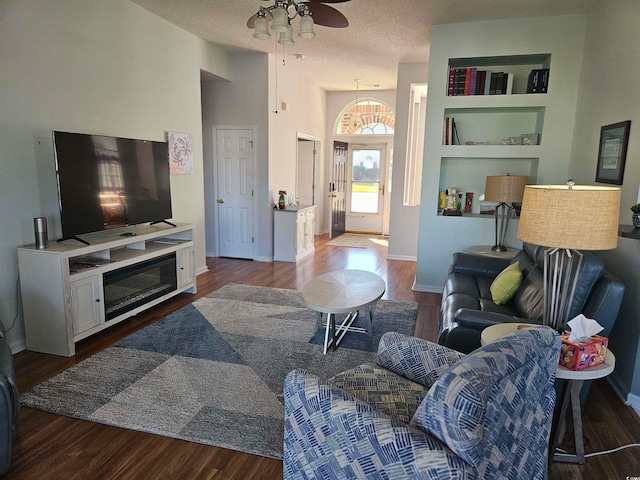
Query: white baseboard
(18,346)
(634,402)
(264,259)
(404,258)
(202,270)
(427,288)
(627,398)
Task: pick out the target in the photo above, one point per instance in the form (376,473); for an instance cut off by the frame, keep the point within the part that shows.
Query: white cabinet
(186,267)
(87,300)
(71,291)
(293,233)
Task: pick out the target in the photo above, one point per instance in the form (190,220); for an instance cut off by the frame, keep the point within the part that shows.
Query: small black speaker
(40,230)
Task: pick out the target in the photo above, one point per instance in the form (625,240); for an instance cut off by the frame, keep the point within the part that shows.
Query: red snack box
(578,356)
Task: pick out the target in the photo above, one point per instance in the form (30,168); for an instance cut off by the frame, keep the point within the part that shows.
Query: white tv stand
(62,287)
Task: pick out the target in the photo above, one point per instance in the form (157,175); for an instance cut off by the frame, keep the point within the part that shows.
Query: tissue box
(578,356)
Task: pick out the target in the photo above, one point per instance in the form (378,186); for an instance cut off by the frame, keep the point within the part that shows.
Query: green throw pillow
(506,284)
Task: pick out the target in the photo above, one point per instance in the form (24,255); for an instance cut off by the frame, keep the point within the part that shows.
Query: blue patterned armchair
(425,411)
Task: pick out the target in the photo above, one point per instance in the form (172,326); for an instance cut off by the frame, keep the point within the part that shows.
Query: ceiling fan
(282,12)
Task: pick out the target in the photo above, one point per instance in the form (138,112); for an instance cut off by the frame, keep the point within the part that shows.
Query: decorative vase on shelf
(281,204)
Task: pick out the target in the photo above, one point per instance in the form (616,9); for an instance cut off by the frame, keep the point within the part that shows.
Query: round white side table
(500,330)
(485,251)
(575,380)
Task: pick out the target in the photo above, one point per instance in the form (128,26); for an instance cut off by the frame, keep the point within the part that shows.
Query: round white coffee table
(343,291)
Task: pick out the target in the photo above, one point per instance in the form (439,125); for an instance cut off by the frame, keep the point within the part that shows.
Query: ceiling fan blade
(251,23)
(325,15)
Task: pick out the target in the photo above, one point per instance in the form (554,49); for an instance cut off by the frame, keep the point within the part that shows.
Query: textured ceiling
(381,33)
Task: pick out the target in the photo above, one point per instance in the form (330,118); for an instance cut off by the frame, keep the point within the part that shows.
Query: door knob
(220,200)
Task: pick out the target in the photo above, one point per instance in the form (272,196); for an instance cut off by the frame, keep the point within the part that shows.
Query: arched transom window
(366,117)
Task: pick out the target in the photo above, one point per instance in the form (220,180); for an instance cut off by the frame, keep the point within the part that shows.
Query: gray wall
(250,101)
(403,223)
(610,93)
(241,103)
(94,67)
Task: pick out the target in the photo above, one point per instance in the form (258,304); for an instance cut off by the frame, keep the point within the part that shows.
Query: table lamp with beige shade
(566,219)
(506,190)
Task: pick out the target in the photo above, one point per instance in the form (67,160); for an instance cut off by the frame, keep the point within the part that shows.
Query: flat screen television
(108,182)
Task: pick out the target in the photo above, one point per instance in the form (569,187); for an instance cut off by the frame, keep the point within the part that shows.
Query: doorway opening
(307,173)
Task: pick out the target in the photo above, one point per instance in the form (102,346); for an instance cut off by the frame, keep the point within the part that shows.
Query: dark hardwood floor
(56,447)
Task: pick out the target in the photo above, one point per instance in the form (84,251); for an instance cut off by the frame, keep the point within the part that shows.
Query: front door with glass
(367,177)
(337,189)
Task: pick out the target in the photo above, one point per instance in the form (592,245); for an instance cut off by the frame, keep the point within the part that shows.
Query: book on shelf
(459,82)
(467,81)
(480,77)
(487,81)
(494,83)
(509,87)
(456,80)
(461,79)
(545,80)
(451,84)
(538,81)
(454,137)
(450,132)
(500,83)
(472,81)
(532,81)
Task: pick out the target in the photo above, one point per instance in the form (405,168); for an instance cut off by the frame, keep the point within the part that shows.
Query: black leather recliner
(9,403)
(467,307)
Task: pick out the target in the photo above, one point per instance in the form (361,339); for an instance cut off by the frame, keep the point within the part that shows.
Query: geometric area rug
(212,372)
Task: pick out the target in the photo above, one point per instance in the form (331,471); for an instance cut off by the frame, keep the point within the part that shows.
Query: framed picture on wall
(612,152)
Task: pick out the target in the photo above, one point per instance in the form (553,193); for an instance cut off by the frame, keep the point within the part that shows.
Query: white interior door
(366,188)
(235,192)
(306,172)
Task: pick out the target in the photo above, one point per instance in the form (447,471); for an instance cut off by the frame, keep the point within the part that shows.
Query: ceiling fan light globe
(286,38)
(261,29)
(280,21)
(306,27)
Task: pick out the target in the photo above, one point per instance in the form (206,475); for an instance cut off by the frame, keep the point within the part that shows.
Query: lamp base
(561,270)
(501,214)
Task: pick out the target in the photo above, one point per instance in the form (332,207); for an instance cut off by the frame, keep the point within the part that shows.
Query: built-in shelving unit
(516,46)
(490,121)
(71,291)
